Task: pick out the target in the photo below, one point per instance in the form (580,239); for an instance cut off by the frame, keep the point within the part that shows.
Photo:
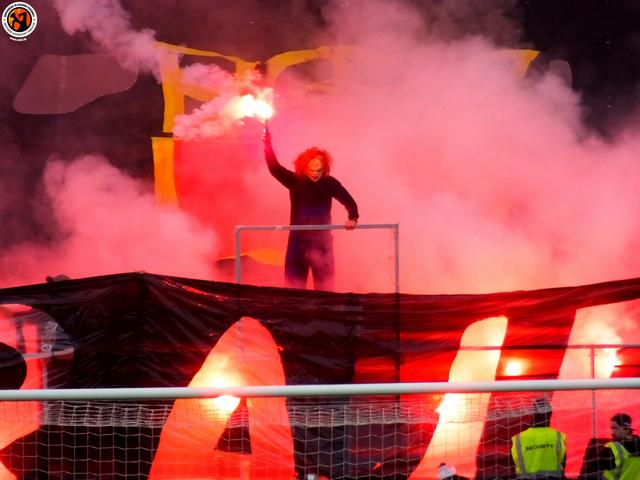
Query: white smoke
(236,98)
(110,27)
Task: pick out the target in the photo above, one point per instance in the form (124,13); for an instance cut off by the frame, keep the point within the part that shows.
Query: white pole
(342,390)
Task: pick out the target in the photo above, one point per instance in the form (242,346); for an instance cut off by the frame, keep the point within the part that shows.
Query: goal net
(424,435)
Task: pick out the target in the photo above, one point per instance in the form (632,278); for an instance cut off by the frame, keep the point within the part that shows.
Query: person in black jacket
(311,190)
(619,458)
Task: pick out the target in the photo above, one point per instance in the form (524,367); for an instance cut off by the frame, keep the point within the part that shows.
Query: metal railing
(329,390)
(370,226)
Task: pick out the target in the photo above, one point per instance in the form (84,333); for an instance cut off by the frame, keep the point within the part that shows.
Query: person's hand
(350,224)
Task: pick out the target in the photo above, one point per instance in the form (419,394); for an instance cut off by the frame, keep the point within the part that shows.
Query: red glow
(14,426)
(224,404)
(514,368)
(245,355)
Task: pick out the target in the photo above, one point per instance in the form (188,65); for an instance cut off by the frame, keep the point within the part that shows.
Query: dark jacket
(310,201)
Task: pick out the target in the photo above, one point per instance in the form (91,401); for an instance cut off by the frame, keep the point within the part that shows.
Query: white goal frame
(339,390)
(97,408)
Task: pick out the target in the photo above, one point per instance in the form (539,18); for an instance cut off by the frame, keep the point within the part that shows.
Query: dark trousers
(310,251)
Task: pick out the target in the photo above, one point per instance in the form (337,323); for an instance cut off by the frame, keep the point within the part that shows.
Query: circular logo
(19,20)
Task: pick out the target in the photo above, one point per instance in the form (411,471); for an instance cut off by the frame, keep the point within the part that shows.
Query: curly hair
(309,154)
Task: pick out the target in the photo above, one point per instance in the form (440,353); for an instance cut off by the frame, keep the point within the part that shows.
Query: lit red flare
(259,105)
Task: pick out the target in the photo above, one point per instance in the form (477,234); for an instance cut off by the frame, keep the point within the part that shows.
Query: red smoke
(492,178)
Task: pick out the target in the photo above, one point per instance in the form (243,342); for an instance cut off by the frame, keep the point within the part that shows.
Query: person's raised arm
(284,176)
(266,139)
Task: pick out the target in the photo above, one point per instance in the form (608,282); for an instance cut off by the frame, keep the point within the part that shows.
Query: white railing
(340,390)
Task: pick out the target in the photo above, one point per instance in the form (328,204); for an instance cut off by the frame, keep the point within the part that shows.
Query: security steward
(539,452)
(620,458)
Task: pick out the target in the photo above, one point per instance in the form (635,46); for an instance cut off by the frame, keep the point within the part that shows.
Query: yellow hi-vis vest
(538,452)
(627,466)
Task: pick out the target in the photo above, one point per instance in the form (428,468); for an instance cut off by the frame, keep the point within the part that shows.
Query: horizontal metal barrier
(361,389)
(367,226)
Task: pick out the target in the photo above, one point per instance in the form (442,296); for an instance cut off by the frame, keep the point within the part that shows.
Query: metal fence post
(238,230)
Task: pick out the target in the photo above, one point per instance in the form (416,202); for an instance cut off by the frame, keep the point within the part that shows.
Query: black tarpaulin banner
(146,330)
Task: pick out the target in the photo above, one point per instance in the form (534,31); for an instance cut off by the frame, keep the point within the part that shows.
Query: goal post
(392,430)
